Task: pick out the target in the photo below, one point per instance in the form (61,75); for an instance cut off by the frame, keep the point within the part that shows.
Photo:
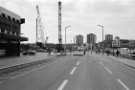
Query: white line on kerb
(123,84)
(78,63)
(108,70)
(63,85)
(73,70)
(27,72)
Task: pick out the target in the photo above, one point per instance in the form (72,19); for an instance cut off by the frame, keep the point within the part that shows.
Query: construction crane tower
(39,28)
(59,26)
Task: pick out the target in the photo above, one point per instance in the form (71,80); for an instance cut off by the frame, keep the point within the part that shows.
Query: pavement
(14,61)
(129,62)
(89,72)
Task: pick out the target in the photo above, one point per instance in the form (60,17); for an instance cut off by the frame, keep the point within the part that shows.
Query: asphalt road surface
(89,72)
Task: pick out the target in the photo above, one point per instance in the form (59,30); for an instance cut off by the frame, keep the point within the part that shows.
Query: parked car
(29,52)
(132,54)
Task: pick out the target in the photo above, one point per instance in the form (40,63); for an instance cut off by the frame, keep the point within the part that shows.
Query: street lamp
(65,36)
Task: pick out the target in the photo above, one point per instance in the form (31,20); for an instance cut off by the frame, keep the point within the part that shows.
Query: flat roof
(9,13)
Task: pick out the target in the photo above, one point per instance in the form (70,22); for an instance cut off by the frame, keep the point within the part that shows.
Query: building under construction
(10,32)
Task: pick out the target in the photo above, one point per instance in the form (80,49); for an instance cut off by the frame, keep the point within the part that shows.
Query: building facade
(10,33)
(79,40)
(91,38)
(108,37)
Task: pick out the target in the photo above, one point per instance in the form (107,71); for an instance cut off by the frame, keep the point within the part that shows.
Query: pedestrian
(108,52)
(49,51)
(117,53)
(84,52)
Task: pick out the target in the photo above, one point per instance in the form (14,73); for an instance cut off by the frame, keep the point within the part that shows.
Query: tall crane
(39,28)
(59,22)
(59,46)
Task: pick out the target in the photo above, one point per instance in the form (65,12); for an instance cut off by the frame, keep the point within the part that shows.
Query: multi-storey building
(10,33)
(91,38)
(108,37)
(79,40)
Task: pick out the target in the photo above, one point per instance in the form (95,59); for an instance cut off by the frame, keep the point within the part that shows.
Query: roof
(9,13)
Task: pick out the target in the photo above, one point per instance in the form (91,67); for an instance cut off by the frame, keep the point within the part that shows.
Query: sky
(117,16)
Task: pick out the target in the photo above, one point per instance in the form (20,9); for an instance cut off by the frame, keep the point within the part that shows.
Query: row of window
(10,27)
(9,18)
(8,32)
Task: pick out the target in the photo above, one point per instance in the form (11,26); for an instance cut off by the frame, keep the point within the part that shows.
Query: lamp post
(65,36)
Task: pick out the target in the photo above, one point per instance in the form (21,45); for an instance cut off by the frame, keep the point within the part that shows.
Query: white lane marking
(78,63)
(123,84)
(101,63)
(27,72)
(63,85)
(73,70)
(108,70)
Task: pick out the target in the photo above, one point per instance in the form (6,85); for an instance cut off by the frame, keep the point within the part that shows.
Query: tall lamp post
(66,36)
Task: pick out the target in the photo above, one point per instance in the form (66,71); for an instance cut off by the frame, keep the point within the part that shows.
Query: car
(41,50)
(78,53)
(132,54)
(29,52)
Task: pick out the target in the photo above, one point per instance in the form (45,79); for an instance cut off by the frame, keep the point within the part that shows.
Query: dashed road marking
(78,63)
(73,70)
(108,70)
(63,85)
(123,84)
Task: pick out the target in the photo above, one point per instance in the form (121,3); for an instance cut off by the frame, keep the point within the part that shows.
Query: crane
(39,28)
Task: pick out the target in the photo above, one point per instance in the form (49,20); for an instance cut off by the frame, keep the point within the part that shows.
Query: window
(14,19)
(3,15)
(9,17)
(5,31)
(17,21)
(15,33)
(10,33)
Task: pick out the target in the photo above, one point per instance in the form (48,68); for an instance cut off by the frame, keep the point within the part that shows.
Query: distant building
(131,44)
(79,40)
(117,38)
(116,43)
(108,37)
(91,38)
(10,33)
(124,43)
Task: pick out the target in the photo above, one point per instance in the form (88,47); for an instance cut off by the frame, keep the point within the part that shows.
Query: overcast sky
(117,16)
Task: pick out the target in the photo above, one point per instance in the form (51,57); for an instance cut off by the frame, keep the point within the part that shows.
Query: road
(89,72)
